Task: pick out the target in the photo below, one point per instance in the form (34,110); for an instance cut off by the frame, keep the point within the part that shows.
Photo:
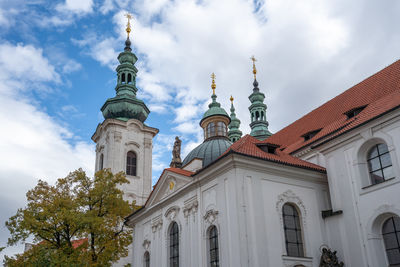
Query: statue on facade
(176,154)
(329,259)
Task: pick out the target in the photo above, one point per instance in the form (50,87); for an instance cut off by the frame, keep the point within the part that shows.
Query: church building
(323,189)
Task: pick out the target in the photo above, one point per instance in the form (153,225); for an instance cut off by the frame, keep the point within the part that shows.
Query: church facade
(327,182)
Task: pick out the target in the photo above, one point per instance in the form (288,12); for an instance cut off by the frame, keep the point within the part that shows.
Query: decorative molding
(191,206)
(211,216)
(117,136)
(146,244)
(147,143)
(156,223)
(132,143)
(291,197)
(99,148)
(171,213)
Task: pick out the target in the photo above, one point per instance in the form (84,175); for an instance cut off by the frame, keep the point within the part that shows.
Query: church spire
(259,123)
(125,105)
(234,133)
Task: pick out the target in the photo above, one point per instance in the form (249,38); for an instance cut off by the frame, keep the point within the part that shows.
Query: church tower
(234,133)
(259,123)
(123,141)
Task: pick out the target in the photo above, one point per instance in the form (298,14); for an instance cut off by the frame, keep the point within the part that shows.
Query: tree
(76,207)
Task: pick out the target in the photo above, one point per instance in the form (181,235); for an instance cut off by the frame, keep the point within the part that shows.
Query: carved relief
(146,244)
(210,216)
(156,223)
(147,143)
(99,148)
(190,207)
(117,136)
(132,143)
(171,213)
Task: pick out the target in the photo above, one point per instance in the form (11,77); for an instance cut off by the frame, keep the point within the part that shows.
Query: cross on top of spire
(128,25)
(254,66)
(213,86)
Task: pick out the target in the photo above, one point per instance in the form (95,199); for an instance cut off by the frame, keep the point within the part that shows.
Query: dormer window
(354,112)
(311,134)
(269,148)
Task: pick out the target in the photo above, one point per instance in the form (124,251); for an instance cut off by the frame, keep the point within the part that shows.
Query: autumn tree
(76,207)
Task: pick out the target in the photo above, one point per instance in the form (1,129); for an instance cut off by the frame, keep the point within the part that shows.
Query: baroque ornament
(329,259)
(210,216)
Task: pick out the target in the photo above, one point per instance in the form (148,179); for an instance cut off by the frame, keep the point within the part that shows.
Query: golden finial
(254,66)
(128,25)
(231,99)
(213,86)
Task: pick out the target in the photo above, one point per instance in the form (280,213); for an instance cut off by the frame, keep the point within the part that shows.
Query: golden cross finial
(213,86)
(231,99)
(254,66)
(128,25)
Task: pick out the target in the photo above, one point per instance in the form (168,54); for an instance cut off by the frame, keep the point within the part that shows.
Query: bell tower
(123,141)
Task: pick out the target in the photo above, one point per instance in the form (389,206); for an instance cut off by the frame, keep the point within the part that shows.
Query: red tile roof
(380,93)
(180,171)
(79,242)
(249,146)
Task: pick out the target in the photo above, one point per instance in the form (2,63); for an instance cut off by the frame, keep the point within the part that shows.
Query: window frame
(396,234)
(213,236)
(370,158)
(131,169)
(146,259)
(173,234)
(297,228)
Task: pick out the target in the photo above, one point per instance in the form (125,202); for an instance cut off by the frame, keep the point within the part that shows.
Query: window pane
(288,210)
(291,236)
(385,160)
(373,152)
(390,240)
(377,177)
(393,256)
(289,222)
(292,250)
(374,164)
(397,223)
(388,172)
(301,251)
(388,226)
(382,148)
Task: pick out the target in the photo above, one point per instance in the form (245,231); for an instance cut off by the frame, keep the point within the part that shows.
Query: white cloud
(76,6)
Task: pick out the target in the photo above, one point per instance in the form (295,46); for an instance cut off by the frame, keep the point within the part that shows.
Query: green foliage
(76,207)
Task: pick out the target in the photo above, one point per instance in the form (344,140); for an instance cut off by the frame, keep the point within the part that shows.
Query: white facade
(114,139)
(243,198)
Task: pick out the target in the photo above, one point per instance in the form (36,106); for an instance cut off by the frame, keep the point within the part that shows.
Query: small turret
(234,133)
(259,123)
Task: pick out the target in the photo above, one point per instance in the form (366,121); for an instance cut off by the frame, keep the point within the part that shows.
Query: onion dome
(234,133)
(214,123)
(259,123)
(125,105)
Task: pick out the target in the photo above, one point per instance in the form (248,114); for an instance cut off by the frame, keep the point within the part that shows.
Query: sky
(58,60)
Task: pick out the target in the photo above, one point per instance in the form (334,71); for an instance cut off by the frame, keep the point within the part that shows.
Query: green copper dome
(125,105)
(208,151)
(214,108)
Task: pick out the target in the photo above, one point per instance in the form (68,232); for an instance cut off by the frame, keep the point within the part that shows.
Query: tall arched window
(129,78)
(211,129)
(293,235)
(123,78)
(146,259)
(174,245)
(101,162)
(391,238)
(257,115)
(214,251)
(379,163)
(131,163)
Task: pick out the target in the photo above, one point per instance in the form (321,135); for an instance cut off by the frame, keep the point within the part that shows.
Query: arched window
(129,78)
(391,238)
(131,163)
(262,115)
(174,245)
(379,163)
(221,128)
(293,236)
(252,117)
(146,259)
(214,251)
(257,115)
(101,162)
(123,78)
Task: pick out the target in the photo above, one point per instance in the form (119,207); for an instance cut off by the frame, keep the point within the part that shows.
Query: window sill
(132,177)
(374,187)
(290,260)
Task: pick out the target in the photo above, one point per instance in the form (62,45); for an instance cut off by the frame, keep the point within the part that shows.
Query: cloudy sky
(58,59)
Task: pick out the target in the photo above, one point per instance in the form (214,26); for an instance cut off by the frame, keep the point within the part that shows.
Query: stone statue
(176,154)
(329,259)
